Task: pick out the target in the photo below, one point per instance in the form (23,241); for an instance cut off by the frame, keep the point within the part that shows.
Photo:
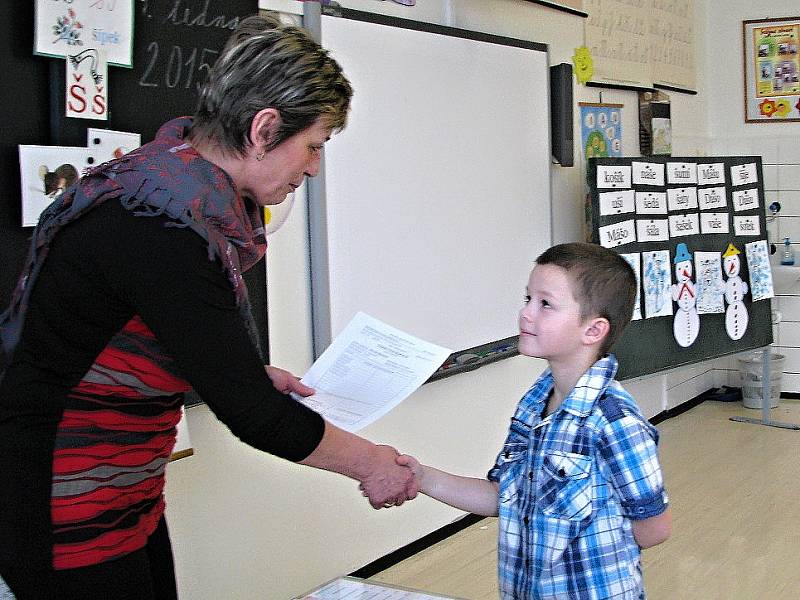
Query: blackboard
(435,200)
(649,345)
(174,44)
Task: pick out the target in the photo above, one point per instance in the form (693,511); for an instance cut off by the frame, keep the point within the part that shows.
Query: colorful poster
(601,130)
(777,59)
(772,69)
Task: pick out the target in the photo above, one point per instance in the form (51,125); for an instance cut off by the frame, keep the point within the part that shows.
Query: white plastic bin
(752,371)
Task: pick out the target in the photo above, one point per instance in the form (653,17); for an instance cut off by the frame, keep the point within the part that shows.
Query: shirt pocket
(511,462)
(566,490)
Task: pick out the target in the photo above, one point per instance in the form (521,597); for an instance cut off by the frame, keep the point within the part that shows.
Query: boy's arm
(477,496)
(651,532)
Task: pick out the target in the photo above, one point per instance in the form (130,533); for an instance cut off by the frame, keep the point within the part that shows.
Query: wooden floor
(735,494)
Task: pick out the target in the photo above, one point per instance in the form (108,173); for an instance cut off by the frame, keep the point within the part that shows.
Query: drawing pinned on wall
(709,283)
(634,259)
(686,324)
(657,281)
(108,144)
(601,129)
(66,28)
(760,272)
(736,316)
(86,85)
(45,172)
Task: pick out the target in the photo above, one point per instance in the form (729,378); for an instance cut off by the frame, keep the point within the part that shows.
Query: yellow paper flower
(782,108)
(584,66)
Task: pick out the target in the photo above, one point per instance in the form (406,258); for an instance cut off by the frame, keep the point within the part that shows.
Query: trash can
(752,372)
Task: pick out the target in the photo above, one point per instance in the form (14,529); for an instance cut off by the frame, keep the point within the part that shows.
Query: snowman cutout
(736,316)
(686,324)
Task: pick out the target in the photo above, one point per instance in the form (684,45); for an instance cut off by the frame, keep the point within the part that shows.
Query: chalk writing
(183,16)
(184,66)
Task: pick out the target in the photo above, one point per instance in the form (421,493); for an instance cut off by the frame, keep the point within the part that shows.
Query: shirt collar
(591,386)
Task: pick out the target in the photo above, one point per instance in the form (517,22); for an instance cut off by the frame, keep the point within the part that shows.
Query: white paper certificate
(350,588)
(368,370)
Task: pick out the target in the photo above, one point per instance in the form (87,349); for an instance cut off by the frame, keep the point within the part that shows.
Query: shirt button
(640,510)
(530,475)
(525,520)
(507,454)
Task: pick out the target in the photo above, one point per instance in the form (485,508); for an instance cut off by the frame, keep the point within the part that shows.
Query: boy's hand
(405,460)
(411,490)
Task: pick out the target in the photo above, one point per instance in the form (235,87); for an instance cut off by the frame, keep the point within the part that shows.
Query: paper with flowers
(66,27)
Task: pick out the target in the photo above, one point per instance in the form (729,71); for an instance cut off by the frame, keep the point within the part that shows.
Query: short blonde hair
(266,64)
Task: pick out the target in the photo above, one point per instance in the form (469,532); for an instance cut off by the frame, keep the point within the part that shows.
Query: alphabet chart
(694,230)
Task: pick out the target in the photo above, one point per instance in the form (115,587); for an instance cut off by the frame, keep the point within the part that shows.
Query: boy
(577,485)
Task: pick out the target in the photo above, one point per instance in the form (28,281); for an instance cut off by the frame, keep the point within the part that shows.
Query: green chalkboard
(649,345)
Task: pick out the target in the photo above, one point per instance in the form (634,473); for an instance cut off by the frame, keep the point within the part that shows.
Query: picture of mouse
(57,181)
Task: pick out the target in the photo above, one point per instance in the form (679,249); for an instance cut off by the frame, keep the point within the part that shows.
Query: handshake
(393,478)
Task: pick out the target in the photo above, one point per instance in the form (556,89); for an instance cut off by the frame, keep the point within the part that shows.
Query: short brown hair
(604,284)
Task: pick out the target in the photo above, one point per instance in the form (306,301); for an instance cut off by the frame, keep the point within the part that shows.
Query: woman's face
(283,169)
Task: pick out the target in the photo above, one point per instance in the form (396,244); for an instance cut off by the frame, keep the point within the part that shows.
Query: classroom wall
(246,525)
(776,142)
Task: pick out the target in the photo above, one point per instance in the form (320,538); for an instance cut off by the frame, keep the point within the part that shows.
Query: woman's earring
(261,155)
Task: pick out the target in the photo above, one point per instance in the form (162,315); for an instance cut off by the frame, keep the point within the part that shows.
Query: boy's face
(550,324)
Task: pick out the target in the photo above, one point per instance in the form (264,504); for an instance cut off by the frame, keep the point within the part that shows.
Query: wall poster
(771,70)
(601,129)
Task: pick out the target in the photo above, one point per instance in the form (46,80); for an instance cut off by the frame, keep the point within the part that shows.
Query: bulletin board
(436,198)
(665,210)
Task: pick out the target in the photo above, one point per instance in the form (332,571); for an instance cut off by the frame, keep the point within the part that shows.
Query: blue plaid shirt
(570,485)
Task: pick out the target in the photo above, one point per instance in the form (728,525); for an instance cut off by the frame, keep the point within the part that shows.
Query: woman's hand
(286,383)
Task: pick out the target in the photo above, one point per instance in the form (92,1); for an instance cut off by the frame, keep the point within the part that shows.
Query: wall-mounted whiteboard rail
(434,202)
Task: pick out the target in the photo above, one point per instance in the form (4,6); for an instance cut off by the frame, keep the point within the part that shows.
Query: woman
(132,295)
